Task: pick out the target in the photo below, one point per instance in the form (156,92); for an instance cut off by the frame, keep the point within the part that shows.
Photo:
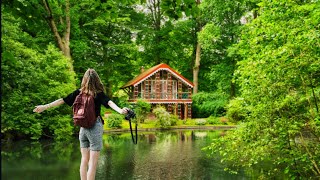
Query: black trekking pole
(130,115)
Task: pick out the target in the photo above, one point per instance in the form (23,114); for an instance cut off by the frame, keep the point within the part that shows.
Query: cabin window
(148,88)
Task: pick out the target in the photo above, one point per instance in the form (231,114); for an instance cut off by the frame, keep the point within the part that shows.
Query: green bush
(114,120)
(163,117)
(142,109)
(236,110)
(214,120)
(217,120)
(200,121)
(206,104)
(173,119)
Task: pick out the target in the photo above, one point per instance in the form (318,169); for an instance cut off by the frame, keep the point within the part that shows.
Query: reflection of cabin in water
(162,85)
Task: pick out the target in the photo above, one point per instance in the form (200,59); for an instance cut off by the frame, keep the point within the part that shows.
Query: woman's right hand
(124,110)
(40,108)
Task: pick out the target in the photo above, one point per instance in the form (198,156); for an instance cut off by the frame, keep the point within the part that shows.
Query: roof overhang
(150,72)
(167,69)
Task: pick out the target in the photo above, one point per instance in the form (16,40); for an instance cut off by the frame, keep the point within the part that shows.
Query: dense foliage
(206,104)
(114,120)
(279,85)
(217,120)
(29,78)
(259,66)
(142,109)
(164,119)
(113,38)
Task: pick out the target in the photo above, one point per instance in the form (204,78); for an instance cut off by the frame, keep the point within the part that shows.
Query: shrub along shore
(200,127)
(219,123)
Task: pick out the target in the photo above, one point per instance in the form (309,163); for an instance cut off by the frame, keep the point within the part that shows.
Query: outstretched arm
(41,108)
(116,108)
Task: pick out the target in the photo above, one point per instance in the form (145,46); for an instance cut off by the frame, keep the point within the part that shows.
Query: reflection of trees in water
(158,155)
(50,150)
(151,138)
(45,159)
(12,152)
(117,157)
(172,157)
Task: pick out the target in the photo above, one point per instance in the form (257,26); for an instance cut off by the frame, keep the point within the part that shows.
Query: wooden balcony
(182,97)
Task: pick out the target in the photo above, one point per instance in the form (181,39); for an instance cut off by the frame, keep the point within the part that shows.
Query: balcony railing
(164,96)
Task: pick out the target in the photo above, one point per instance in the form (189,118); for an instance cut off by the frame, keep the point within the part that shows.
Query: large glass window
(168,89)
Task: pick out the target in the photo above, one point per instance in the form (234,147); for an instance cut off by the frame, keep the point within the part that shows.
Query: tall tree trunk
(154,7)
(66,38)
(232,89)
(196,69)
(63,42)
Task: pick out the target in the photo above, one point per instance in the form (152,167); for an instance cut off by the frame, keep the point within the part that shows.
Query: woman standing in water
(90,138)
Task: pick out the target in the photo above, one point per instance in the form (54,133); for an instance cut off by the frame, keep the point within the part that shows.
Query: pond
(158,155)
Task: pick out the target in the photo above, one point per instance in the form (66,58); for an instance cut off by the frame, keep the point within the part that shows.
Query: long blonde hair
(91,83)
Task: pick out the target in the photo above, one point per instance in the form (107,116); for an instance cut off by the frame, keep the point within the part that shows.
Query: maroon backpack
(84,114)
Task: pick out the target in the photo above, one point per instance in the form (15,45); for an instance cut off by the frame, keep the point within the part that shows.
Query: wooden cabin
(162,85)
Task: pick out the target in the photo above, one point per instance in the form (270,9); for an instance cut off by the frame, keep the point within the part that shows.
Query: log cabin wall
(170,92)
(189,111)
(157,84)
(170,108)
(179,111)
(136,92)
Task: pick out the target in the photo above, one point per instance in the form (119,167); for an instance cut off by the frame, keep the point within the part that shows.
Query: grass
(125,125)
(180,123)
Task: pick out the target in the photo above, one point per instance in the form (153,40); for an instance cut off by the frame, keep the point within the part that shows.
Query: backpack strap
(101,119)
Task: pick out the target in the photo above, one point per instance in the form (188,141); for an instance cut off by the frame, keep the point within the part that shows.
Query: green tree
(189,10)
(279,85)
(103,40)
(30,78)
(43,14)
(163,37)
(99,37)
(218,35)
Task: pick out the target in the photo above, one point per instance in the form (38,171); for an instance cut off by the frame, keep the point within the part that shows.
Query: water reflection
(158,155)
(40,160)
(162,155)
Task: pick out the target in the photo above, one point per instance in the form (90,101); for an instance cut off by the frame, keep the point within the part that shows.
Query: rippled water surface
(158,155)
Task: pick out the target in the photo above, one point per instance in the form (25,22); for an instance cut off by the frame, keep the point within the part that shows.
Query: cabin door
(182,113)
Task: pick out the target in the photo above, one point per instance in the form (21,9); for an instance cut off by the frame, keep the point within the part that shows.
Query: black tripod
(130,115)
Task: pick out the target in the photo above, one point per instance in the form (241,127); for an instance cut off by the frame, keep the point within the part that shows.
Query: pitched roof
(144,75)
